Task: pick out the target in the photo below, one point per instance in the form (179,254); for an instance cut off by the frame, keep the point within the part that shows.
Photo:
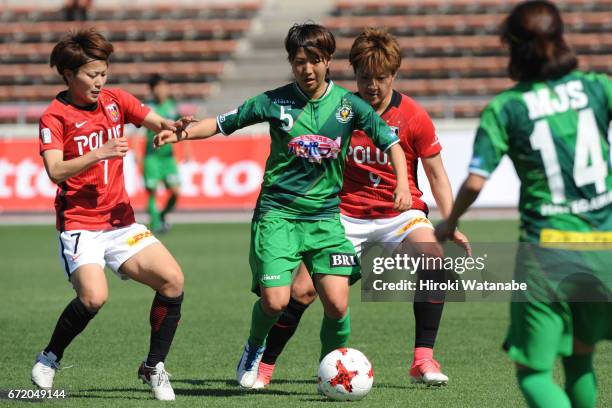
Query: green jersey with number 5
(310,140)
(556,134)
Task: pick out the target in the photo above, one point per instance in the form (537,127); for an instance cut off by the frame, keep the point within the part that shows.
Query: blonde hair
(375,51)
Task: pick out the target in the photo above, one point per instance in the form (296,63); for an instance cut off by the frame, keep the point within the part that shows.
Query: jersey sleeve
(376,128)
(249,113)
(490,144)
(134,110)
(50,133)
(426,140)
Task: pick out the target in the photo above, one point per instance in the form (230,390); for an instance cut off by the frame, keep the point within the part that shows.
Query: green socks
(334,333)
(154,218)
(540,390)
(580,384)
(261,324)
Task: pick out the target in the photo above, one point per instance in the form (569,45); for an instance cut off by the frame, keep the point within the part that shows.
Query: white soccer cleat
(158,379)
(435,379)
(248,366)
(259,385)
(44,370)
(427,372)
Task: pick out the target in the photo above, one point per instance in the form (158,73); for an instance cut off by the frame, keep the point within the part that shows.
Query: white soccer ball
(345,374)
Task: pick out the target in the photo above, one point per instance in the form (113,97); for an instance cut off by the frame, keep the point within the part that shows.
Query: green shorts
(158,169)
(278,246)
(541,330)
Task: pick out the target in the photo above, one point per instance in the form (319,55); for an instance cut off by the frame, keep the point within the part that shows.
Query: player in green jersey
(159,165)
(365,208)
(297,217)
(553,125)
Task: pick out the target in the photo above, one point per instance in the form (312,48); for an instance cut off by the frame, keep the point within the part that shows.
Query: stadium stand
(139,10)
(453,60)
(129,51)
(391,7)
(189,43)
(481,45)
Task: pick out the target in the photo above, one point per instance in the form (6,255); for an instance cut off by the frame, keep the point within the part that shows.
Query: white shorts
(112,247)
(389,230)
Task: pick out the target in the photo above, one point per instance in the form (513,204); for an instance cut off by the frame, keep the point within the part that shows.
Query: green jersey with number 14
(556,134)
(310,139)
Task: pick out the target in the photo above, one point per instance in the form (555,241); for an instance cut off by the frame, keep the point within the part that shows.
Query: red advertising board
(222,173)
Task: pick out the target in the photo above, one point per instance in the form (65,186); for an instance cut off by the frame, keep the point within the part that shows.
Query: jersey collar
(330,85)
(396,100)
(63,99)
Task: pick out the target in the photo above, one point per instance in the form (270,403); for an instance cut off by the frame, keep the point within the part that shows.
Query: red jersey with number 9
(94,199)
(369,180)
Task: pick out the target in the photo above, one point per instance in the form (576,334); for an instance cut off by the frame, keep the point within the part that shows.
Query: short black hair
(155,79)
(538,51)
(314,38)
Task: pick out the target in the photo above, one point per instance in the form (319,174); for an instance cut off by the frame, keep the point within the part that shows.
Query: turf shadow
(224,392)
(232,383)
(320,399)
(408,387)
(418,387)
(100,393)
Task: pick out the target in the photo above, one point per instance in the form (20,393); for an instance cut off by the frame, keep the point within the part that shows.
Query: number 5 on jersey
(286,119)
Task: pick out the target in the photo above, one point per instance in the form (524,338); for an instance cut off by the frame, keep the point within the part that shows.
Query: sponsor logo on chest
(368,155)
(315,148)
(96,139)
(367,152)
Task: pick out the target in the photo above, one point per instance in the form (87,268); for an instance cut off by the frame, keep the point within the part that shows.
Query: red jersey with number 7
(369,180)
(94,199)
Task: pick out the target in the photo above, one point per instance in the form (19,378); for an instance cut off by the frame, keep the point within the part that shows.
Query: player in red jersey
(367,201)
(82,146)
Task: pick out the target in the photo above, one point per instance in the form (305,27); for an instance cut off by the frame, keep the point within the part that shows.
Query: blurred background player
(76,10)
(553,125)
(367,212)
(297,217)
(159,165)
(82,146)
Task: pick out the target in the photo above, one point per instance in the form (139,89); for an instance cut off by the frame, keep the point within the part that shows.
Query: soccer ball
(345,374)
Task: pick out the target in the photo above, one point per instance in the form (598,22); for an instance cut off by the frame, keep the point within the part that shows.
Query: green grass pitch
(214,327)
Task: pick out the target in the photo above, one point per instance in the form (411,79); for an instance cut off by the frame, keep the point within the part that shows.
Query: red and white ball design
(345,374)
